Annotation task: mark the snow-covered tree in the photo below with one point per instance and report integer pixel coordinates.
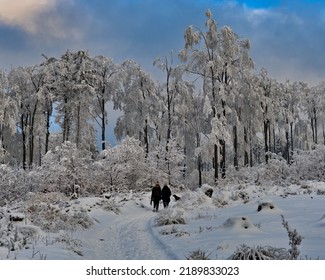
(74, 97)
(174, 95)
(137, 99)
(24, 90)
(65, 169)
(8, 115)
(313, 104)
(104, 78)
(125, 165)
(221, 59)
(265, 89)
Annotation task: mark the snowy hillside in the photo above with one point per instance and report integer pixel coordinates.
(123, 225)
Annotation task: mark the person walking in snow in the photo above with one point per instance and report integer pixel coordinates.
(165, 195)
(155, 197)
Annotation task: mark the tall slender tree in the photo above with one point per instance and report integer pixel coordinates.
(74, 99)
(220, 59)
(104, 78)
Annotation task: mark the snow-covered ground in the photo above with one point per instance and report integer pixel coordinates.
(125, 227)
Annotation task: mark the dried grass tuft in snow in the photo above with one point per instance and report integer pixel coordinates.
(198, 255)
(245, 252)
(169, 217)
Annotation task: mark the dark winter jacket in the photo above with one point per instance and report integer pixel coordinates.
(156, 193)
(166, 193)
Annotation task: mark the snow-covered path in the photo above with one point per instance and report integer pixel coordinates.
(130, 237)
(218, 232)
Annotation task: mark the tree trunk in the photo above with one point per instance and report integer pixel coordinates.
(287, 147)
(223, 147)
(103, 124)
(270, 138)
(235, 147)
(312, 128)
(266, 147)
(291, 138)
(78, 133)
(168, 136)
(23, 134)
(223, 158)
(246, 156)
(66, 121)
(216, 163)
(250, 145)
(47, 134)
(199, 167)
(31, 135)
(274, 140)
(39, 151)
(199, 159)
(316, 129)
(146, 137)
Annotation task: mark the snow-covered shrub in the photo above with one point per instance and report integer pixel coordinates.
(13, 184)
(63, 168)
(170, 217)
(166, 162)
(125, 165)
(16, 235)
(276, 171)
(240, 195)
(219, 202)
(111, 205)
(244, 252)
(305, 165)
(55, 198)
(51, 213)
(192, 200)
(310, 165)
(241, 175)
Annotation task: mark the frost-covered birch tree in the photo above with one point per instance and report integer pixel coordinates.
(264, 88)
(8, 116)
(313, 101)
(289, 109)
(137, 99)
(173, 95)
(220, 58)
(104, 78)
(74, 99)
(25, 89)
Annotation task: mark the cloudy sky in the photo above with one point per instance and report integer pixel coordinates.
(287, 36)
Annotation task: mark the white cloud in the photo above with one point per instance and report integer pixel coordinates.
(24, 13)
(255, 16)
(38, 17)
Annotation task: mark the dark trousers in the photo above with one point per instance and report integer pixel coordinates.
(166, 202)
(156, 204)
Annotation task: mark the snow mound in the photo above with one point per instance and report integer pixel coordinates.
(268, 207)
(239, 223)
(193, 200)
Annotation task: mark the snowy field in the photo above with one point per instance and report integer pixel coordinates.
(123, 226)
